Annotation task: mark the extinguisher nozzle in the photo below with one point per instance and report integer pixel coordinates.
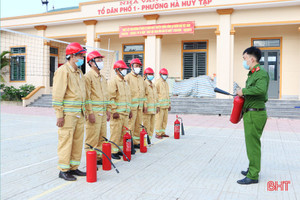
(117, 171)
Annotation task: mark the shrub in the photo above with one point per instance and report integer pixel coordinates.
(13, 94)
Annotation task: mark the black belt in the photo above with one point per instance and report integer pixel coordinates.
(255, 109)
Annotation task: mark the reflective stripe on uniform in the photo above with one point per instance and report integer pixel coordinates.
(73, 162)
(57, 103)
(136, 138)
(99, 109)
(158, 131)
(76, 103)
(64, 166)
(72, 109)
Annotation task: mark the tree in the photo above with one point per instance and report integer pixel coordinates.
(4, 62)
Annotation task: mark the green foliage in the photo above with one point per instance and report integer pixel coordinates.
(14, 94)
(4, 62)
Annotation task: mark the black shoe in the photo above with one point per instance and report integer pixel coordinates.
(67, 176)
(246, 181)
(137, 146)
(115, 156)
(120, 154)
(133, 152)
(99, 162)
(77, 172)
(245, 172)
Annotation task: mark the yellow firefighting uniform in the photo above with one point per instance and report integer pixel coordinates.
(119, 97)
(96, 103)
(138, 100)
(161, 118)
(149, 117)
(69, 103)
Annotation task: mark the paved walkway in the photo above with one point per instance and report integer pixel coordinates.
(203, 164)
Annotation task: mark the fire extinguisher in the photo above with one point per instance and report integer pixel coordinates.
(236, 114)
(93, 148)
(132, 146)
(148, 138)
(143, 141)
(182, 128)
(106, 148)
(116, 146)
(91, 166)
(176, 128)
(127, 146)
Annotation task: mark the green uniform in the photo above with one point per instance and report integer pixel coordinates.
(256, 95)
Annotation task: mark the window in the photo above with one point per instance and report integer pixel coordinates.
(194, 59)
(267, 43)
(17, 64)
(54, 50)
(132, 51)
(133, 48)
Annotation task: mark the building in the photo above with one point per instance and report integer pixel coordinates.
(210, 38)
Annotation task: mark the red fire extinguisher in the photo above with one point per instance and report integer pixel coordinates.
(127, 146)
(236, 114)
(106, 148)
(143, 141)
(91, 166)
(176, 128)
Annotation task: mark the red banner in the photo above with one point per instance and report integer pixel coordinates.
(157, 29)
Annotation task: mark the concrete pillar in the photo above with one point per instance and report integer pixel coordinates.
(232, 33)
(97, 42)
(158, 55)
(299, 56)
(45, 45)
(151, 46)
(224, 69)
(90, 37)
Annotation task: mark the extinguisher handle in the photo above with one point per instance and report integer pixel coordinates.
(117, 147)
(104, 155)
(142, 126)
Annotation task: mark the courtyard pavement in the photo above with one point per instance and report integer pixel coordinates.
(204, 164)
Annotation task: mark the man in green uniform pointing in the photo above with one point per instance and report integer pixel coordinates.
(255, 115)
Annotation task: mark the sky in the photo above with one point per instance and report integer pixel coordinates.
(11, 8)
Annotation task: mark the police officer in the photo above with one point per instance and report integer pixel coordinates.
(255, 115)
(68, 101)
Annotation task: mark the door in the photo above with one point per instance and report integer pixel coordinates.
(270, 61)
(52, 69)
(194, 64)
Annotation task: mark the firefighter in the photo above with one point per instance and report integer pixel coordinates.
(68, 101)
(163, 106)
(119, 94)
(151, 96)
(138, 101)
(255, 114)
(96, 103)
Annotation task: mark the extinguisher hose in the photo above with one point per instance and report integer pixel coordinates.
(182, 129)
(91, 147)
(116, 146)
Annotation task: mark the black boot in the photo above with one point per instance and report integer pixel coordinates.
(67, 176)
(115, 156)
(99, 162)
(120, 154)
(77, 172)
(137, 146)
(245, 172)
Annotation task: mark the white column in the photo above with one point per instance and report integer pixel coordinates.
(90, 37)
(224, 69)
(46, 58)
(299, 57)
(232, 33)
(158, 55)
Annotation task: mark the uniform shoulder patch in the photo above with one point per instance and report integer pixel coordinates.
(257, 69)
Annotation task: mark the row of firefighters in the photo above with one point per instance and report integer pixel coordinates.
(127, 100)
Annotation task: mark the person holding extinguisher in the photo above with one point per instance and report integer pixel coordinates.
(120, 99)
(151, 96)
(255, 115)
(163, 105)
(96, 103)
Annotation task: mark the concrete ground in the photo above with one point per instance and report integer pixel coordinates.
(203, 164)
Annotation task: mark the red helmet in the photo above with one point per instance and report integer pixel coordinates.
(163, 71)
(120, 64)
(93, 54)
(135, 61)
(74, 48)
(148, 71)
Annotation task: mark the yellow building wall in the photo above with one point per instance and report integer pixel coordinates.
(290, 70)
